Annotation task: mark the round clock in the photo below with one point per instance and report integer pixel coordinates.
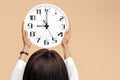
(46, 25)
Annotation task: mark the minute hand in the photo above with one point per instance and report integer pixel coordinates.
(50, 34)
(48, 29)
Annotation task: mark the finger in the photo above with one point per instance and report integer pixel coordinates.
(22, 26)
(26, 33)
(22, 30)
(69, 30)
(26, 36)
(69, 25)
(66, 32)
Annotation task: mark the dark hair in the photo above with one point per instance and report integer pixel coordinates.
(45, 64)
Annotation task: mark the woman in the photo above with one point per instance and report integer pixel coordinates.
(45, 64)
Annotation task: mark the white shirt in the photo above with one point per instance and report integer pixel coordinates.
(18, 70)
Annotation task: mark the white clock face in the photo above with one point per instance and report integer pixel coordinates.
(46, 25)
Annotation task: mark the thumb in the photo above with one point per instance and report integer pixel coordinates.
(26, 33)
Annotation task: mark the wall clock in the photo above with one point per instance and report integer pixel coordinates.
(46, 25)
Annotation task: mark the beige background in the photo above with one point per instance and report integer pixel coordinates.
(95, 39)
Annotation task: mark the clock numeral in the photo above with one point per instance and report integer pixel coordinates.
(30, 25)
(32, 34)
(47, 9)
(38, 39)
(63, 26)
(61, 18)
(46, 42)
(32, 17)
(54, 40)
(60, 34)
(38, 11)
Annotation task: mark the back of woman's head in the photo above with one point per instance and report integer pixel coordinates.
(45, 65)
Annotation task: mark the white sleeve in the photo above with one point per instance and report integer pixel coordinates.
(17, 73)
(71, 68)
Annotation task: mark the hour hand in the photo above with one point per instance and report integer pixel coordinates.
(40, 25)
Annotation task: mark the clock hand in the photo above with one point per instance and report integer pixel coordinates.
(44, 21)
(40, 25)
(46, 25)
(48, 29)
(50, 34)
(46, 10)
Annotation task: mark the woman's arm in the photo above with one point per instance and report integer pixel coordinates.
(65, 43)
(26, 43)
(18, 70)
(70, 65)
(71, 68)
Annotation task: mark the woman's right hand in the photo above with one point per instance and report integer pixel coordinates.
(66, 38)
(65, 42)
(26, 41)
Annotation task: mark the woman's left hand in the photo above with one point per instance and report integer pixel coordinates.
(26, 41)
